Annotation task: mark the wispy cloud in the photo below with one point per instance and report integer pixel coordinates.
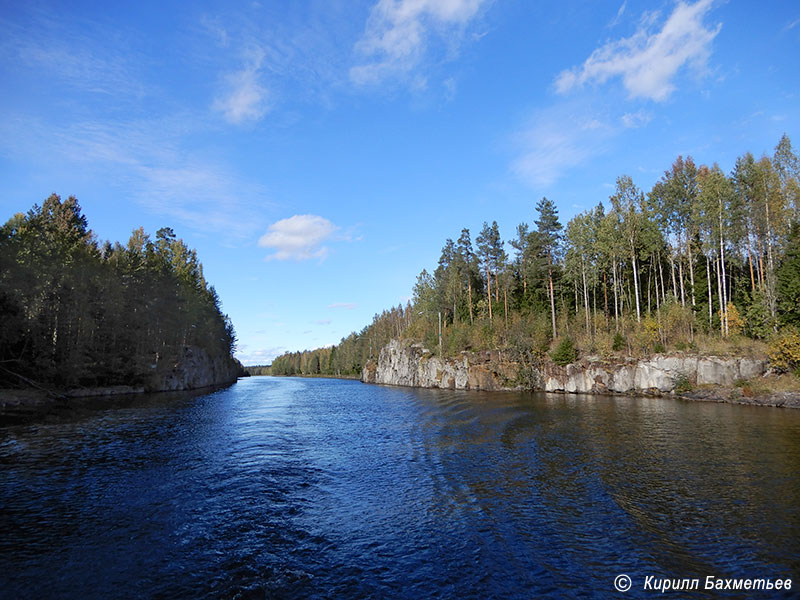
(648, 61)
(323, 322)
(618, 17)
(149, 162)
(260, 356)
(344, 305)
(245, 98)
(398, 32)
(91, 59)
(557, 139)
(300, 237)
(637, 119)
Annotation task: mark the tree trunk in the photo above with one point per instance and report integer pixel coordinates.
(616, 294)
(724, 313)
(585, 298)
(691, 272)
(489, 289)
(552, 302)
(710, 299)
(469, 298)
(636, 285)
(672, 273)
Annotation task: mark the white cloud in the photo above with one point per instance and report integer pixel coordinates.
(261, 356)
(619, 14)
(648, 61)
(635, 120)
(397, 34)
(148, 161)
(245, 98)
(300, 237)
(558, 139)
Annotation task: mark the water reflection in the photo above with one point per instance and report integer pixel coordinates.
(324, 488)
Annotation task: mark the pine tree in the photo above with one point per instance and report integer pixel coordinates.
(549, 238)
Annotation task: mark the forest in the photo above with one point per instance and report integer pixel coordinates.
(75, 312)
(704, 262)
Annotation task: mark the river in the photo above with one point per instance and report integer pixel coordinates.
(319, 488)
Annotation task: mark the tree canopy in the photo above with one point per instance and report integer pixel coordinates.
(702, 257)
(77, 312)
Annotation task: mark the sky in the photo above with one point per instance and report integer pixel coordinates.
(317, 154)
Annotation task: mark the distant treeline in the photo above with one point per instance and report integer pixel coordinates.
(77, 312)
(346, 358)
(704, 261)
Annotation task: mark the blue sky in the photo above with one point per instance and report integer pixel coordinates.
(317, 154)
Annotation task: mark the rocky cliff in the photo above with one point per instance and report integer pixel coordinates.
(406, 364)
(192, 370)
(412, 365)
(659, 374)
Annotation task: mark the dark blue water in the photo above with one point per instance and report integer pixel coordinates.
(297, 488)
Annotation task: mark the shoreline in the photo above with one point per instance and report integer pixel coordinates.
(347, 377)
(718, 395)
(734, 395)
(18, 406)
(693, 377)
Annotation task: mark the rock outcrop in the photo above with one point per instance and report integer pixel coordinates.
(194, 369)
(659, 374)
(412, 365)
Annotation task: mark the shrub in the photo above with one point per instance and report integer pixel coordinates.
(619, 342)
(735, 320)
(565, 353)
(604, 345)
(784, 350)
(659, 348)
(682, 384)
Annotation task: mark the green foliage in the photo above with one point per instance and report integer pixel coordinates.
(682, 384)
(78, 313)
(788, 275)
(758, 323)
(564, 353)
(706, 260)
(619, 342)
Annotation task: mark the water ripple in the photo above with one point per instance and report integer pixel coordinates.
(290, 488)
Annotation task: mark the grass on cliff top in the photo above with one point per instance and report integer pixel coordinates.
(770, 384)
(530, 336)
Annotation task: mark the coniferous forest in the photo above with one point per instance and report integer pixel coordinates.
(703, 262)
(75, 312)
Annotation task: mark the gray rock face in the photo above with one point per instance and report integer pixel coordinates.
(194, 369)
(659, 374)
(412, 365)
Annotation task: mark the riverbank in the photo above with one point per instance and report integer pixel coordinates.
(740, 380)
(24, 406)
(193, 370)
